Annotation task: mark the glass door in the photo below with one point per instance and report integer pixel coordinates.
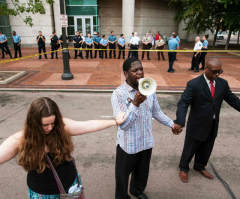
(83, 24)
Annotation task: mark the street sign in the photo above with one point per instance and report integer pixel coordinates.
(64, 21)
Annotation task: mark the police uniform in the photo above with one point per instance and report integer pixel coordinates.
(134, 45)
(112, 45)
(121, 47)
(4, 46)
(54, 45)
(96, 41)
(196, 56)
(41, 46)
(89, 45)
(78, 44)
(17, 45)
(172, 45)
(203, 54)
(159, 46)
(103, 43)
(61, 43)
(147, 45)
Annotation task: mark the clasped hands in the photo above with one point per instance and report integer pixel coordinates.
(176, 129)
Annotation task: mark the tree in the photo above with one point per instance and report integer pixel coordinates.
(200, 16)
(28, 8)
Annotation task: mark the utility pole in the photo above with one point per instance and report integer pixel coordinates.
(67, 75)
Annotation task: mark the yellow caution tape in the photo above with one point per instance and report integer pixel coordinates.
(139, 50)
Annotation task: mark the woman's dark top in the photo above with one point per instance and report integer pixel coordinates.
(44, 183)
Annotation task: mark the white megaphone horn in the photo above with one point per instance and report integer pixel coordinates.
(147, 86)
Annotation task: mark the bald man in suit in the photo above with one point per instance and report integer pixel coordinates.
(204, 94)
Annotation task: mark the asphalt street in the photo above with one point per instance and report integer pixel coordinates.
(95, 152)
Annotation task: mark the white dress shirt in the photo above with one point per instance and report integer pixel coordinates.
(134, 40)
(198, 46)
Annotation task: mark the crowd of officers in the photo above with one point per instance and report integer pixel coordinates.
(106, 46)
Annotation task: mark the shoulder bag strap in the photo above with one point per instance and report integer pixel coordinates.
(78, 180)
(57, 179)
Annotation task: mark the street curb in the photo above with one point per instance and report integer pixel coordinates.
(83, 90)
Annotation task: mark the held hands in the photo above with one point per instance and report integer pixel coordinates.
(138, 99)
(176, 129)
(120, 118)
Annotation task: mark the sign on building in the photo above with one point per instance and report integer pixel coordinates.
(64, 21)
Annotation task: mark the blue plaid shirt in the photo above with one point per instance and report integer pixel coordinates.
(135, 134)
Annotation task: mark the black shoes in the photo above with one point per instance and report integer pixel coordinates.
(141, 196)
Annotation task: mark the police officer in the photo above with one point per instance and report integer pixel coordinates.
(96, 41)
(54, 44)
(147, 45)
(134, 45)
(4, 46)
(196, 54)
(172, 45)
(16, 44)
(203, 54)
(61, 43)
(121, 46)
(41, 44)
(112, 39)
(89, 45)
(104, 44)
(77, 42)
(130, 52)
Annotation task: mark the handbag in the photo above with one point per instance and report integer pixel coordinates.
(79, 194)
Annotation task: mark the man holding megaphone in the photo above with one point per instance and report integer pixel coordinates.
(137, 98)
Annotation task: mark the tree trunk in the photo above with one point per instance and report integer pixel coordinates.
(228, 39)
(238, 37)
(215, 36)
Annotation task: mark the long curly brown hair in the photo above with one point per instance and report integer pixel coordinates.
(32, 146)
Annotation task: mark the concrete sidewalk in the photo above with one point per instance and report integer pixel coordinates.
(107, 73)
(95, 153)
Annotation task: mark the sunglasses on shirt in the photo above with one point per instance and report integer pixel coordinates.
(216, 71)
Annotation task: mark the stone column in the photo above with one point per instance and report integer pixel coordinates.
(128, 8)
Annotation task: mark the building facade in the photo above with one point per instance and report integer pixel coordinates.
(121, 16)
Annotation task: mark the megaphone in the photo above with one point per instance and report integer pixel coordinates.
(147, 86)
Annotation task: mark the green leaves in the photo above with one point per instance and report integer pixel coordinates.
(30, 7)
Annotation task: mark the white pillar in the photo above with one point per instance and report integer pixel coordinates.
(128, 8)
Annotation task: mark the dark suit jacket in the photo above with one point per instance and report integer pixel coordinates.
(203, 107)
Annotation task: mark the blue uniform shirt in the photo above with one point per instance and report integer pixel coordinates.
(89, 40)
(205, 43)
(112, 38)
(97, 39)
(178, 39)
(104, 41)
(2, 38)
(173, 44)
(121, 41)
(16, 39)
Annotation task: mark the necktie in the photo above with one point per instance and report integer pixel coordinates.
(212, 88)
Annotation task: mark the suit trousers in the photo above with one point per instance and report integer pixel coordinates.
(135, 164)
(201, 149)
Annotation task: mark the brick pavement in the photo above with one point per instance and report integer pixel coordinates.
(107, 73)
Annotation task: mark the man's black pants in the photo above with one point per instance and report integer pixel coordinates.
(134, 51)
(201, 149)
(195, 61)
(171, 59)
(97, 46)
(135, 164)
(40, 49)
(5, 49)
(17, 49)
(202, 59)
(146, 47)
(121, 51)
(112, 47)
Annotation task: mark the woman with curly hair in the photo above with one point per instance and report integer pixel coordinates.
(47, 134)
